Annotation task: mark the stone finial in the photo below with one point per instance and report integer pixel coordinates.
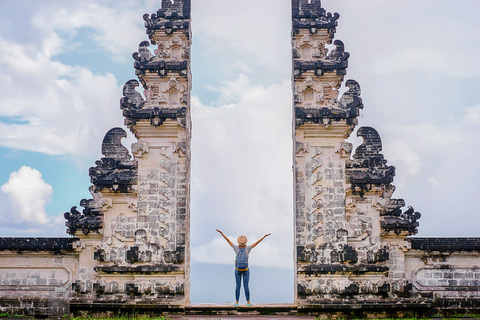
(173, 16)
(338, 54)
(371, 146)
(176, 7)
(368, 167)
(351, 99)
(115, 171)
(309, 15)
(132, 99)
(112, 145)
(143, 53)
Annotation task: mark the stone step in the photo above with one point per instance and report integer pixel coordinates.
(279, 309)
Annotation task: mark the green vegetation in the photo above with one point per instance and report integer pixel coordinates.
(8, 315)
(133, 317)
(454, 317)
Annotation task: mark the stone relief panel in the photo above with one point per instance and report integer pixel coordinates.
(175, 48)
(447, 277)
(306, 47)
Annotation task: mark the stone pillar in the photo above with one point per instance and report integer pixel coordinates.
(134, 234)
(322, 123)
(161, 122)
(350, 234)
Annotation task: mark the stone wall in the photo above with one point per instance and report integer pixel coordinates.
(446, 267)
(36, 275)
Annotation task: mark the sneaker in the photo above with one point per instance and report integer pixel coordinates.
(236, 304)
(249, 305)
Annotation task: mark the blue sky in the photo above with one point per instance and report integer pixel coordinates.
(63, 64)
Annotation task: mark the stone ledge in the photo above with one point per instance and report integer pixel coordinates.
(37, 244)
(144, 269)
(445, 244)
(342, 269)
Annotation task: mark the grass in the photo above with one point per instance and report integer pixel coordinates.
(125, 318)
(8, 315)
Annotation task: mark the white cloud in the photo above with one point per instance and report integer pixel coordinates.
(117, 26)
(242, 167)
(411, 142)
(256, 29)
(65, 110)
(58, 108)
(472, 115)
(425, 59)
(400, 151)
(28, 194)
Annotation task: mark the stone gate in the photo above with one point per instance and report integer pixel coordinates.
(129, 245)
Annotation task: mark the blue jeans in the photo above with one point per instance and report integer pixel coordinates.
(238, 277)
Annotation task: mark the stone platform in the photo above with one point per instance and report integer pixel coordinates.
(205, 309)
(260, 311)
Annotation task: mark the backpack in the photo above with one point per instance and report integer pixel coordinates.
(241, 262)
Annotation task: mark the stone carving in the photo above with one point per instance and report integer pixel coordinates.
(173, 16)
(351, 99)
(309, 15)
(143, 53)
(112, 146)
(368, 171)
(132, 99)
(307, 48)
(401, 221)
(175, 48)
(115, 171)
(338, 55)
(368, 167)
(171, 92)
(134, 108)
(316, 102)
(81, 221)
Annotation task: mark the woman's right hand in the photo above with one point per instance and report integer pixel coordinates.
(219, 231)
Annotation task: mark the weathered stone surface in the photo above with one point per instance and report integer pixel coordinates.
(37, 244)
(140, 251)
(173, 16)
(350, 234)
(445, 244)
(309, 14)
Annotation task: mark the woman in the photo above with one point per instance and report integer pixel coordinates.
(241, 264)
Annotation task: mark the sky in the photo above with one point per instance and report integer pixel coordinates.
(63, 65)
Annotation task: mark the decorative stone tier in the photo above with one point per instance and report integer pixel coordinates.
(155, 116)
(335, 62)
(311, 16)
(173, 16)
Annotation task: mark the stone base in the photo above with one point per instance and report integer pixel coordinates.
(106, 310)
(45, 308)
(281, 309)
(35, 307)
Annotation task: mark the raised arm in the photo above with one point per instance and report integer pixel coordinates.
(228, 240)
(253, 245)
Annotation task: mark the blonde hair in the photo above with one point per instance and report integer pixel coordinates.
(242, 240)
